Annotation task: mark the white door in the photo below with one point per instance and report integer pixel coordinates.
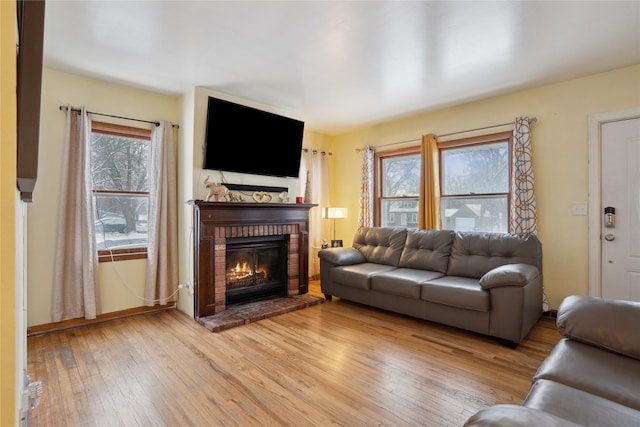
(620, 191)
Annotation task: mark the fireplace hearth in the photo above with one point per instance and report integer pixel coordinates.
(219, 226)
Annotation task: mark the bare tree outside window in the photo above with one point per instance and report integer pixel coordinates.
(401, 176)
(480, 169)
(475, 184)
(121, 190)
(475, 187)
(400, 189)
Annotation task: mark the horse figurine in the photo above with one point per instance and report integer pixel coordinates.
(217, 191)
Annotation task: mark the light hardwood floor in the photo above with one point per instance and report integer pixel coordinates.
(333, 364)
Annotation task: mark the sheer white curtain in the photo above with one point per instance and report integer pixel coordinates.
(162, 252)
(365, 216)
(75, 277)
(317, 163)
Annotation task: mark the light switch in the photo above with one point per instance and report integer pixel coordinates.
(579, 209)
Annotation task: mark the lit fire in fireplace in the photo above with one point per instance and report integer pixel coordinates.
(243, 275)
(240, 271)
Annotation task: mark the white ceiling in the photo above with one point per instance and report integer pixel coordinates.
(340, 64)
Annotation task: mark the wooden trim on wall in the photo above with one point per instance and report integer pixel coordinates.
(29, 81)
(76, 323)
(120, 130)
(480, 139)
(121, 254)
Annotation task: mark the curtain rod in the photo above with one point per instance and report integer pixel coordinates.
(314, 151)
(65, 108)
(533, 120)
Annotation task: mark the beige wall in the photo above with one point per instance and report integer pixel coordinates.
(191, 185)
(10, 367)
(121, 283)
(185, 193)
(560, 166)
(560, 149)
(199, 175)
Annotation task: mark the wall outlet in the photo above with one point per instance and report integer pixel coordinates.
(187, 286)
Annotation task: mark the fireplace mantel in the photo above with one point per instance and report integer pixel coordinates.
(214, 222)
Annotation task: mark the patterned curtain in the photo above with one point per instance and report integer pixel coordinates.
(429, 201)
(523, 200)
(365, 217)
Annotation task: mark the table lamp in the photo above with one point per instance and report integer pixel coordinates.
(335, 213)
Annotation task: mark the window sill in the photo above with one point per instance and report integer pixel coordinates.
(122, 254)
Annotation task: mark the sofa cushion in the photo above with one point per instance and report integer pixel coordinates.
(609, 375)
(427, 250)
(456, 291)
(510, 415)
(359, 275)
(341, 256)
(380, 245)
(579, 406)
(509, 275)
(473, 254)
(605, 323)
(404, 282)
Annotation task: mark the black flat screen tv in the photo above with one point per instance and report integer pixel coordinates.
(248, 140)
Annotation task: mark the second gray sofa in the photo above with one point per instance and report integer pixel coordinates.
(591, 377)
(490, 283)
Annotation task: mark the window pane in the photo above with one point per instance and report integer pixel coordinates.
(401, 176)
(399, 213)
(478, 169)
(475, 214)
(118, 163)
(121, 221)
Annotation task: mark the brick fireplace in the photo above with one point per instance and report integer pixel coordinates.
(216, 222)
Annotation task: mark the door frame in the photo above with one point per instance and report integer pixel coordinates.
(596, 121)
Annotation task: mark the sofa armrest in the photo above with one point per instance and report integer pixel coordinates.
(342, 256)
(509, 275)
(515, 416)
(605, 323)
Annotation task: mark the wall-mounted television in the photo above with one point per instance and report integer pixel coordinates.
(243, 139)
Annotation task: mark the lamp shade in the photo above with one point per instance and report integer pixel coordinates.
(334, 213)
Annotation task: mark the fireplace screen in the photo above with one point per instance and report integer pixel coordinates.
(255, 268)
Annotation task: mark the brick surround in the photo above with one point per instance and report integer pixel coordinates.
(215, 222)
(222, 233)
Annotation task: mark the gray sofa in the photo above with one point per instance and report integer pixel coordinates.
(591, 377)
(490, 283)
